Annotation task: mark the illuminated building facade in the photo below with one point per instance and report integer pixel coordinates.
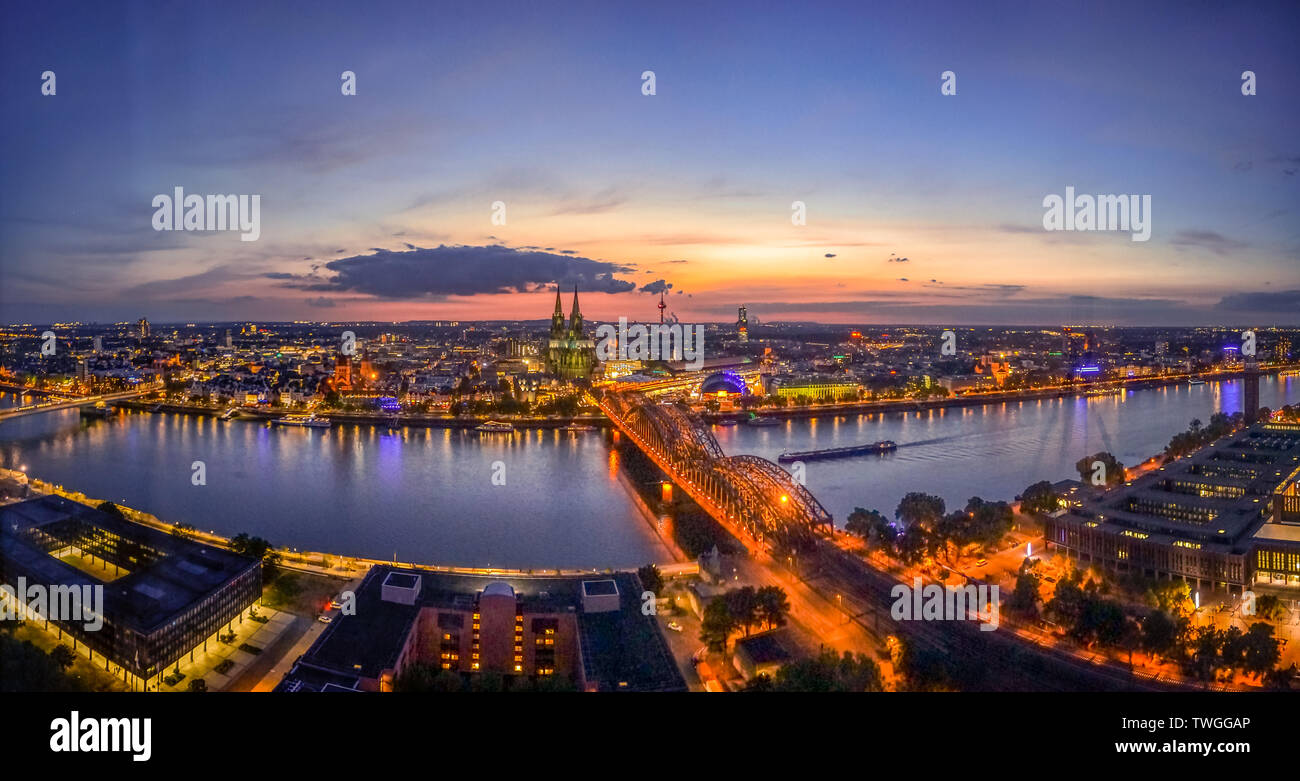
(1227, 516)
(163, 596)
(590, 631)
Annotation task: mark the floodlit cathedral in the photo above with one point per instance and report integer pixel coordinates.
(569, 354)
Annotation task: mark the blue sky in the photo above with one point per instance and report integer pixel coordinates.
(378, 205)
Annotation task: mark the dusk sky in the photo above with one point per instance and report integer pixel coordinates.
(921, 208)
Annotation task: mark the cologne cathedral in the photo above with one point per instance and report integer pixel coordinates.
(570, 355)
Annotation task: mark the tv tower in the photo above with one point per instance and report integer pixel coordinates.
(662, 307)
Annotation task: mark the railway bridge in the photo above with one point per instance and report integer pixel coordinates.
(745, 493)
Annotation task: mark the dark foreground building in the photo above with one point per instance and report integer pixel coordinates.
(1228, 516)
(162, 595)
(589, 630)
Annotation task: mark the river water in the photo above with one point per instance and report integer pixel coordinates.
(560, 499)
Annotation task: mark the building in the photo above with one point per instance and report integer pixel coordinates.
(142, 328)
(1250, 391)
(742, 326)
(570, 354)
(814, 388)
(342, 372)
(763, 653)
(1228, 516)
(163, 595)
(588, 629)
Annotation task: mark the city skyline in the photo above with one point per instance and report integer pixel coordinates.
(921, 208)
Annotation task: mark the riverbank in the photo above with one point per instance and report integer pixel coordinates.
(979, 399)
(414, 420)
(332, 564)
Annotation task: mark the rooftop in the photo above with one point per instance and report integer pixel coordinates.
(167, 573)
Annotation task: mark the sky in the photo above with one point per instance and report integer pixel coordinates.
(920, 207)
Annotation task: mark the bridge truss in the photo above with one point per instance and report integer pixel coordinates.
(749, 491)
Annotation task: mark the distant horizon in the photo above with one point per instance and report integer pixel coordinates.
(542, 322)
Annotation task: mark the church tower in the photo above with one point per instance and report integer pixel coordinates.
(570, 354)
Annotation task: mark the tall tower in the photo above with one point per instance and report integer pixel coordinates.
(368, 373)
(662, 306)
(342, 372)
(742, 325)
(1250, 399)
(557, 317)
(575, 318)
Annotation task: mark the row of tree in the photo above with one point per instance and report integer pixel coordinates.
(1199, 435)
(1081, 607)
(826, 672)
(922, 527)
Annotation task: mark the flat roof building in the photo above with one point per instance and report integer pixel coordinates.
(1227, 516)
(162, 595)
(589, 630)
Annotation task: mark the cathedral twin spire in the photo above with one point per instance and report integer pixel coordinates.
(574, 329)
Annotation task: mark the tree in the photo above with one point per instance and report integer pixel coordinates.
(919, 508)
(872, 526)
(1282, 677)
(773, 606)
(111, 509)
(651, 579)
(256, 548)
(828, 672)
(1038, 498)
(1171, 596)
(742, 604)
(1159, 633)
(1260, 651)
(63, 656)
(716, 625)
(1269, 607)
(1024, 599)
(1113, 472)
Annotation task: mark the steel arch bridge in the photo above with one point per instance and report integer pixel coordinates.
(746, 491)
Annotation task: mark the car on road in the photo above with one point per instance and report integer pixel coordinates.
(324, 619)
(1049, 579)
(981, 562)
(673, 625)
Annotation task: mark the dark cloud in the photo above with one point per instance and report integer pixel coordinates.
(322, 302)
(278, 275)
(460, 270)
(1278, 301)
(895, 259)
(658, 286)
(830, 254)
